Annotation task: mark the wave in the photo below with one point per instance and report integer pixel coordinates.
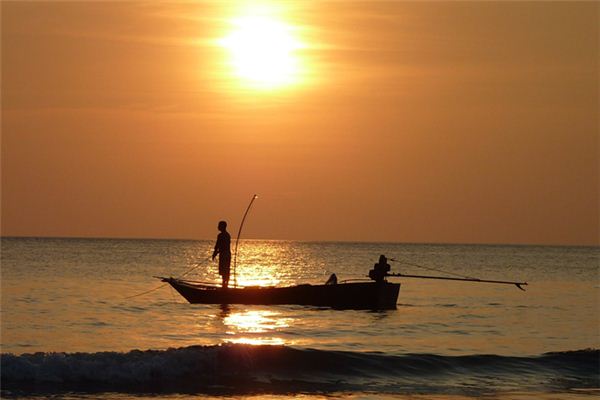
(239, 368)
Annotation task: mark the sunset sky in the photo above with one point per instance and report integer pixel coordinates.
(470, 122)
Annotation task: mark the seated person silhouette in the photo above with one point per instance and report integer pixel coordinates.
(380, 270)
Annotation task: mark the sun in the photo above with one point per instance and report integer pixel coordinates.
(263, 52)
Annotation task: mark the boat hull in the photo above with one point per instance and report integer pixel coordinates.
(365, 295)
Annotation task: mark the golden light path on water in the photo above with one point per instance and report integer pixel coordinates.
(53, 307)
(255, 327)
(254, 269)
(263, 48)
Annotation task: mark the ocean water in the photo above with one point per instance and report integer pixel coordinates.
(70, 327)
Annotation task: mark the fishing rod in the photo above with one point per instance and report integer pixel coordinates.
(238, 239)
(517, 284)
(459, 277)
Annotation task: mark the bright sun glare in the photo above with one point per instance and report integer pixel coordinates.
(263, 51)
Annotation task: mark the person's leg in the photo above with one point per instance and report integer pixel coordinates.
(224, 269)
(226, 279)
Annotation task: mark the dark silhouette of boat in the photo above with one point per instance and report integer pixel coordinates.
(377, 294)
(352, 295)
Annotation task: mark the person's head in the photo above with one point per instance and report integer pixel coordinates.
(222, 226)
(382, 259)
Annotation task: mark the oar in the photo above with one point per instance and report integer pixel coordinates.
(517, 284)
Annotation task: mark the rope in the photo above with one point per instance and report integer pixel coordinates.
(165, 284)
(191, 269)
(431, 269)
(146, 292)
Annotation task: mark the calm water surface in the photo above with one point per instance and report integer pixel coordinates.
(66, 296)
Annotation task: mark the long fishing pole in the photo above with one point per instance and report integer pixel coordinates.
(517, 284)
(238, 239)
(430, 268)
(460, 277)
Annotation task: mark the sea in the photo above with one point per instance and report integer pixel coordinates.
(88, 319)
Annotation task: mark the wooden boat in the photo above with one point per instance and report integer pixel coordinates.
(362, 295)
(378, 294)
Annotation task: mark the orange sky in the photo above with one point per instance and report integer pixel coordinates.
(414, 122)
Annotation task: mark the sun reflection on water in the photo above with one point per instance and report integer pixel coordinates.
(256, 327)
(275, 263)
(261, 263)
(249, 279)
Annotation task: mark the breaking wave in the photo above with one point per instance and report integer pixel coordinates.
(238, 368)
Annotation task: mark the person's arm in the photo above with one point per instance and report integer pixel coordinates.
(217, 247)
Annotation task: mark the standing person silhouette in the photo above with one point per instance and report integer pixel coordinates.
(222, 248)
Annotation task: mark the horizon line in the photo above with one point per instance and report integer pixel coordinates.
(298, 240)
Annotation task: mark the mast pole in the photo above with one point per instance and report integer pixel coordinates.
(238, 239)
